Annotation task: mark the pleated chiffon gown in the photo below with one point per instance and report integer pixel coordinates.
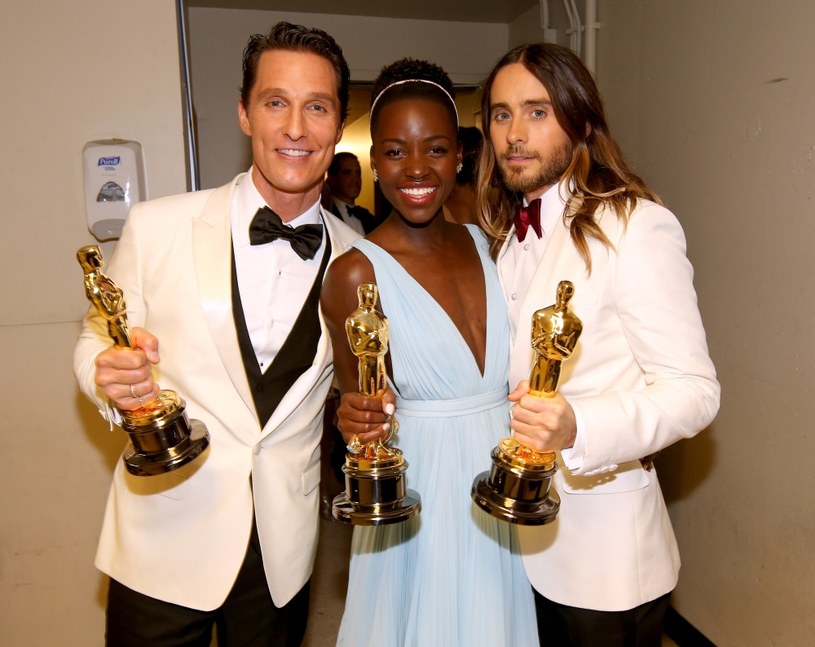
(452, 575)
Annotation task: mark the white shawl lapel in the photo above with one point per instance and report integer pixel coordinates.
(212, 253)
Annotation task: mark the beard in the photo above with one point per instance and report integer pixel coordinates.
(546, 174)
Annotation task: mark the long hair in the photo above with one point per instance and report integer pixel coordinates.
(296, 38)
(598, 175)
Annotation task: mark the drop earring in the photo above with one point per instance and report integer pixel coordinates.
(376, 175)
(459, 167)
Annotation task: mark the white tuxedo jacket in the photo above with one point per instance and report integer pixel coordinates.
(641, 379)
(181, 537)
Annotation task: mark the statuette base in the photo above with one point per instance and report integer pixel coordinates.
(516, 490)
(162, 437)
(375, 495)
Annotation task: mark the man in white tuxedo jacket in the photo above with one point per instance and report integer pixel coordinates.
(640, 377)
(230, 538)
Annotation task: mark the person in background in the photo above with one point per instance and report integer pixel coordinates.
(640, 378)
(228, 280)
(451, 575)
(460, 207)
(344, 179)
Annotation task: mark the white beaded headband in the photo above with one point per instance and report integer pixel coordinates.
(395, 83)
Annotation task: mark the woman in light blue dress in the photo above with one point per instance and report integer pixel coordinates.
(451, 575)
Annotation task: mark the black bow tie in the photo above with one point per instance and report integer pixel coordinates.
(266, 226)
(357, 211)
(526, 217)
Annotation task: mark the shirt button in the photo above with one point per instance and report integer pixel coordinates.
(526, 247)
(514, 296)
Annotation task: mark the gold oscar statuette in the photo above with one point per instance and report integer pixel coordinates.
(162, 437)
(517, 487)
(375, 489)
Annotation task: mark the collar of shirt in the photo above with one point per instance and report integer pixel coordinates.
(345, 215)
(273, 281)
(247, 200)
(518, 265)
(553, 202)
(342, 206)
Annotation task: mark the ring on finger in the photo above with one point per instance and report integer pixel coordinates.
(133, 392)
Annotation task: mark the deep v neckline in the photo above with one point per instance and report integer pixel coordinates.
(482, 372)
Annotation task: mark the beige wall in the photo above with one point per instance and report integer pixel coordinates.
(72, 72)
(715, 105)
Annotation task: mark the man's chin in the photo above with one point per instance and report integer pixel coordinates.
(519, 182)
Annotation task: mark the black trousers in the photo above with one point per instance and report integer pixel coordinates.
(247, 618)
(563, 626)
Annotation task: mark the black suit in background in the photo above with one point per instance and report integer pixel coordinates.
(368, 220)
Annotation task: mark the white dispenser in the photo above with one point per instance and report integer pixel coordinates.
(114, 181)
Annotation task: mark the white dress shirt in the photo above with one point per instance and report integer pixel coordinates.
(273, 280)
(517, 270)
(523, 258)
(352, 221)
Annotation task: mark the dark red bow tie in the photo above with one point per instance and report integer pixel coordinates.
(526, 217)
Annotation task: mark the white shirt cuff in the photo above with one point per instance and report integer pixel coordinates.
(574, 456)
